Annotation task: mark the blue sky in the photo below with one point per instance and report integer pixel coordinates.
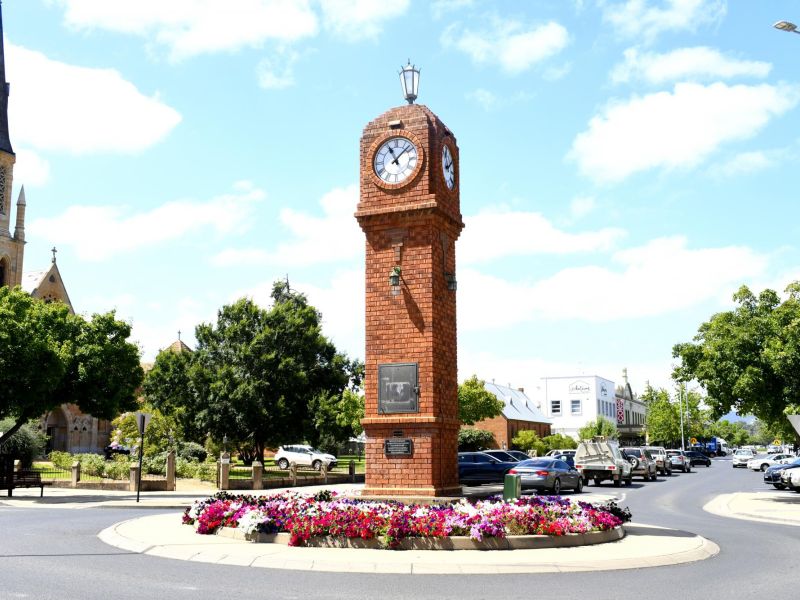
(625, 165)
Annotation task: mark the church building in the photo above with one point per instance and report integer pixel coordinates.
(68, 429)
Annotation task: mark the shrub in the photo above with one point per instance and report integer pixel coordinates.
(192, 451)
(62, 460)
(155, 464)
(528, 441)
(26, 444)
(471, 440)
(91, 464)
(559, 441)
(117, 469)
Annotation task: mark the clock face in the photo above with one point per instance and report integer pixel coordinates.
(395, 160)
(448, 168)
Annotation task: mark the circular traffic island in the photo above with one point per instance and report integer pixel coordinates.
(326, 520)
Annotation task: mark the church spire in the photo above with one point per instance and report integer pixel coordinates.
(5, 141)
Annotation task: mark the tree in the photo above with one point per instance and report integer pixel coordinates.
(748, 358)
(732, 432)
(559, 441)
(50, 357)
(258, 376)
(26, 444)
(476, 403)
(337, 416)
(472, 440)
(601, 426)
(528, 441)
(168, 388)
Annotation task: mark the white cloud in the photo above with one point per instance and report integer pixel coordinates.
(743, 163)
(658, 278)
(356, 20)
(333, 237)
(485, 98)
(98, 233)
(695, 63)
(56, 106)
(509, 44)
(276, 72)
(191, 27)
(675, 129)
(341, 304)
(495, 234)
(580, 207)
(646, 19)
(31, 169)
(445, 8)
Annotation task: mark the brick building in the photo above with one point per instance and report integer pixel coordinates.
(519, 414)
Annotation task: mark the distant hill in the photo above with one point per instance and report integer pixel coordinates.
(733, 417)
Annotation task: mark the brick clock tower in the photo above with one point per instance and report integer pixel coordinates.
(409, 211)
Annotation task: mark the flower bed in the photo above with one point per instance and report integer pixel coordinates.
(305, 517)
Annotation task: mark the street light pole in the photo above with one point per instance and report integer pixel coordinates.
(786, 26)
(680, 409)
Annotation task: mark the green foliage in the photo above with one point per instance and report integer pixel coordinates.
(337, 416)
(558, 441)
(192, 451)
(748, 359)
(49, 357)
(62, 460)
(26, 444)
(734, 433)
(168, 388)
(159, 436)
(472, 440)
(475, 403)
(528, 441)
(600, 426)
(257, 375)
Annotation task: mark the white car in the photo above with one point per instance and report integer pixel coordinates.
(761, 463)
(741, 457)
(303, 455)
(791, 479)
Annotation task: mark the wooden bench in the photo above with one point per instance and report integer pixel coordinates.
(26, 478)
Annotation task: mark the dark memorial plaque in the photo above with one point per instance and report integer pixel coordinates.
(398, 447)
(398, 388)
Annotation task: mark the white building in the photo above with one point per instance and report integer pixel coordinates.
(571, 402)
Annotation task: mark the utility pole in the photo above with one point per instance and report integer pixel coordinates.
(680, 409)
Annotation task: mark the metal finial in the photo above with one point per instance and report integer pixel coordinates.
(53, 250)
(179, 335)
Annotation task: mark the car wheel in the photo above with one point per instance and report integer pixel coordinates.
(764, 467)
(317, 465)
(629, 481)
(556, 487)
(708, 464)
(617, 483)
(596, 481)
(283, 464)
(579, 486)
(684, 469)
(779, 486)
(654, 476)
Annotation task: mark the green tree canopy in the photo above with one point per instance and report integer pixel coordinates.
(527, 441)
(735, 433)
(748, 359)
(472, 440)
(476, 403)
(50, 357)
(559, 441)
(259, 377)
(600, 426)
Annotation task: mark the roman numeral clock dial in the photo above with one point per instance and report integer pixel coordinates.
(395, 160)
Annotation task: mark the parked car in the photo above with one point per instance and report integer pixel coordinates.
(697, 458)
(549, 474)
(503, 455)
(741, 456)
(679, 461)
(790, 478)
(479, 467)
(772, 476)
(763, 462)
(518, 454)
(642, 463)
(303, 455)
(600, 459)
(565, 451)
(567, 458)
(659, 453)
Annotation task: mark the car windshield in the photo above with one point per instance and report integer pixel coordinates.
(743, 453)
(536, 462)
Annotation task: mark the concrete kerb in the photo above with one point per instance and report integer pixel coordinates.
(777, 507)
(644, 546)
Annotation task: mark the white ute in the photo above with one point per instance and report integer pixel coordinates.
(600, 459)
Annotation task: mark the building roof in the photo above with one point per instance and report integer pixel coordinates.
(518, 406)
(32, 280)
(178, 346)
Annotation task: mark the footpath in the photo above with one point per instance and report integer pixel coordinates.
(774, 506)
(159, 532)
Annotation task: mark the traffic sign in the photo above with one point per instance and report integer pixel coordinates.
(693, 441)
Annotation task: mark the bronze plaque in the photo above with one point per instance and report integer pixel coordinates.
(398, 388)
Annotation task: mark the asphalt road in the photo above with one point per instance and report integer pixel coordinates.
(54, 554)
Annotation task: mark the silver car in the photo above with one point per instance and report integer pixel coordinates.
(548, 474)
(679, 461)
(741, 458)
